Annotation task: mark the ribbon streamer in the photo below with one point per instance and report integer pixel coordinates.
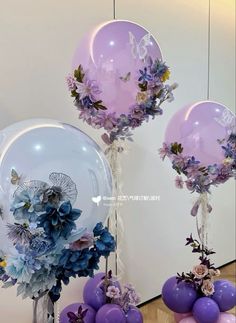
(115, 222)
(202, 229)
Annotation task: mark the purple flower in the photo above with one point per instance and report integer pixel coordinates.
(108, 121)
(71, 82)
(164, 151)
(89, 88)
(189, 184)
(144, 75)
(113, 292)
(179, 183)
(79, 317)
(179, 161)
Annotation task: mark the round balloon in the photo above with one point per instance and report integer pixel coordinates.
(200, 128)
(205, 310)
(134, 315)
(179, 297)
(79, 312)
(113, 53)
(49, 151)
(94, 291)
(110, 313)
(226, 318)
(179, 316)
(189, 319)
(224, 295)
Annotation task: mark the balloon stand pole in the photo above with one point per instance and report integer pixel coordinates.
(115, 223)
(44, 310)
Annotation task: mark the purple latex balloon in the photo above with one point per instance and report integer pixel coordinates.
(226, 318)
(110, 313)
(111, 52)
(134, 315)
(189, 319)
(224, 295)
(180, 316)
(179, 297)
(90, 315)
(93, 292)
(198, 127)
(205, 310)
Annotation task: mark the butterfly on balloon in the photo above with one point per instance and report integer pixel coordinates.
(139, 49)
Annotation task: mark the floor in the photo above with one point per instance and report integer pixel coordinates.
(157, 312)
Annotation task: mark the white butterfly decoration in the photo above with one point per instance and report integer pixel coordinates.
(139, 50)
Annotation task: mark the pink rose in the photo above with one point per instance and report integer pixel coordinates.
(214, 272)
(200, 271)
(84, 242)
(207, 287)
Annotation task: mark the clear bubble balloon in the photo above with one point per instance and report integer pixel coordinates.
(34, 149)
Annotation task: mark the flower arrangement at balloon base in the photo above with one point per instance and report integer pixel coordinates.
(152, 92)
(47, 248)
(104, 301)
(196, 296)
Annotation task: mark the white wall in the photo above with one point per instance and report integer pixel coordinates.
(37, 40)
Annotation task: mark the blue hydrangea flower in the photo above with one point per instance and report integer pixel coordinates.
(25, 206)
(59, 222)
(105, 242)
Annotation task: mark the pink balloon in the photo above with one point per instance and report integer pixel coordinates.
(179, 316)
(189, 319)
(227, 318)
(112, 54)
(198, 127)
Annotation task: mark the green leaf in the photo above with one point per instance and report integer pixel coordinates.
(99, 106)
(74, 93)
(143, 86)
(79, 74)
(176, 148)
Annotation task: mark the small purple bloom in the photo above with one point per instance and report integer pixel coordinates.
(164, 151)
(179, 183)
(113, 292)
(71, 82)
(145, 77)
(89, 88)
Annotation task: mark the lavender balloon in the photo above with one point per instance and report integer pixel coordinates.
(198, 127)
(134, 315)
(110, 313)
(224, 295)
(205, 310)
(189, 319)
(226, 318)
(93, 292)
(113, 53)
(180, 316)
(179, 297)
(73, 308)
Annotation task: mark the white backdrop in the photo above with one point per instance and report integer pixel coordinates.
(37, 40)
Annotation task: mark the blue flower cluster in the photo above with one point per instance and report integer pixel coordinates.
(48, 246)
